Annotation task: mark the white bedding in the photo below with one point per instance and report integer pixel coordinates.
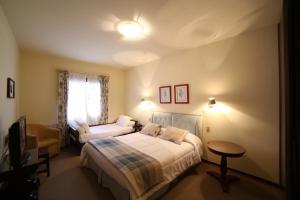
(173, 158)
(104, 131)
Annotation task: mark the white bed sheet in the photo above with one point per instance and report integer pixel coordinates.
(173, 158)
(105, 131)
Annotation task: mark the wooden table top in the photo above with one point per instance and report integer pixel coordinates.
(225, 148)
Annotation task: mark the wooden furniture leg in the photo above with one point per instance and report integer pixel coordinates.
(44, 159)
(223, 178)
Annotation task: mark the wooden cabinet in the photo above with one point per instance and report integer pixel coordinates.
(21, 183)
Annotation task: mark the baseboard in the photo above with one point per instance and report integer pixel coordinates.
(249, 175)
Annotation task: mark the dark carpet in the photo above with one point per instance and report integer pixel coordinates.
(69, 181)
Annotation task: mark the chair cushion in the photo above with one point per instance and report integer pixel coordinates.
(47, 142)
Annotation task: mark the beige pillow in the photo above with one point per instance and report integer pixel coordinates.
(151, 129)
(81, 130)
(173, 134)
(162, 130)
(86, 127)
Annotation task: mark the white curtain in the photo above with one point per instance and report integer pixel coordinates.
(84, 100)
(93, 102)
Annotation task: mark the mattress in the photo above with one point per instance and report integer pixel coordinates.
(173, 158)
(106, 130)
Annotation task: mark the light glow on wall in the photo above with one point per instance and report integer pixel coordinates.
(145, 105)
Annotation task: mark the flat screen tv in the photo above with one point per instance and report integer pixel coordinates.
(17, 143)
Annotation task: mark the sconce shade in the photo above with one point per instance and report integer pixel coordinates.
(145, 99)
(211, 102)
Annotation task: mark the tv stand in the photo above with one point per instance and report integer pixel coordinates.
(26, 158)
(20, 183)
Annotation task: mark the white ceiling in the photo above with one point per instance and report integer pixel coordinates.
(84, 29)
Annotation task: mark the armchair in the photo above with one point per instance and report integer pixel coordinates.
(46, 137)
(31, 142)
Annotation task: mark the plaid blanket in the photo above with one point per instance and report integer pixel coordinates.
(142, 171)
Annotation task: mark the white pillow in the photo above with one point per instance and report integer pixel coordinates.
(173, 134)
(123, 120)
(79, 121)
(73, 124)
(82, 124)
(131, 123)
(151, 129)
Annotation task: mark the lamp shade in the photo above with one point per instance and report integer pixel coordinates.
(130, 29)
(211, 102)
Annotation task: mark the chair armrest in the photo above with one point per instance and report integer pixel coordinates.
(54, 133)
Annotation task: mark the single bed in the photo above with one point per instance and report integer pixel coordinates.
(174, 159)
(99, 131)
(105, 131)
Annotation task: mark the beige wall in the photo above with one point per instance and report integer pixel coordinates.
(8, 68)
(39, 85)
(242, 74)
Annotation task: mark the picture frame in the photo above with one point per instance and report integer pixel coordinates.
(165, 95)
(10, 88)
(181, 94)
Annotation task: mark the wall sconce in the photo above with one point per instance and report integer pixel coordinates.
(211, 102)
(144, 99)
(145, 102)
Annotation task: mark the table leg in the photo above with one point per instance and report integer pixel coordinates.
(48, 166)
(223, 167)
(224, 179)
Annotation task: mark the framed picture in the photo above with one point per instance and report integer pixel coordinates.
(165, 95)
(181, 93)
(10, 88)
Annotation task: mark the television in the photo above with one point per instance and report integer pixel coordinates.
(17, 143)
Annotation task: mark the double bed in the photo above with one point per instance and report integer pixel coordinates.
(173, 159)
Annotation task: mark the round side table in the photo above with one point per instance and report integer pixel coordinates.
(225, 149)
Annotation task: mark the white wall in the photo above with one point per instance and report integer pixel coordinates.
(8, 68)
(242, 74)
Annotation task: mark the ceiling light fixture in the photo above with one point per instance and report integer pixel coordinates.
(130, 29)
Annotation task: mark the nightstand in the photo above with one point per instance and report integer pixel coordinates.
(137, 127)
(225, 149)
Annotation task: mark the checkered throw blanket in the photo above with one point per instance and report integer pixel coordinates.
(142, 171)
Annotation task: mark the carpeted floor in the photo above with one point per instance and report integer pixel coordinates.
(69, 181)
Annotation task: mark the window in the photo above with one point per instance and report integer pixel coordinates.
(84, 99)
